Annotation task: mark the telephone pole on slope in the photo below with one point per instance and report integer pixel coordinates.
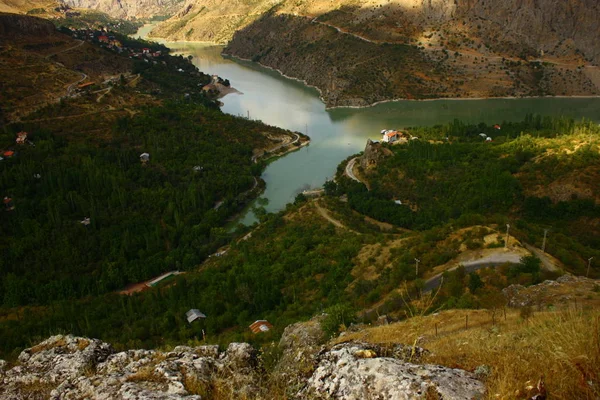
(544, 242)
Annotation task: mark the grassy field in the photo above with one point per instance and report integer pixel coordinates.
(562, 346)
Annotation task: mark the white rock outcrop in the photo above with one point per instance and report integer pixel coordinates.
(350, 371)
(73, 368)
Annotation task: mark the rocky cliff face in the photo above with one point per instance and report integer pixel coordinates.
(374, 153)
(211, 20)
(13, 25)
(358, 57)
(348, 71)
(129, 8)
(68, 367)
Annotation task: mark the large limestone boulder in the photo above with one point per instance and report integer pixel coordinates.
(353, 371)
(69, 367)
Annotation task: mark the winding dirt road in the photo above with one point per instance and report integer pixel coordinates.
(349, 171)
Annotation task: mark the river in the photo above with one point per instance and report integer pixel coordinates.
(338, 133)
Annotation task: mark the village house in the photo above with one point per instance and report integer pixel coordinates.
(261, 325)
(144, 158)
(8, 203)
(390, 136)
(21, 137)
(193, 315)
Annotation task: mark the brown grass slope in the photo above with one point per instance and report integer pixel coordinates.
(512, 354)
(38, 65)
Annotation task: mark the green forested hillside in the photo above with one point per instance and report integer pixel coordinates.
(452, 173)
(81, 163)
(145, 218)
(296, 263)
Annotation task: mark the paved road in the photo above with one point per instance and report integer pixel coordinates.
(473, 53)
(286, 144)
(547, 262)
(349, 170)
(493, 260)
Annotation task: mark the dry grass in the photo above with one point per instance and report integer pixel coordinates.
(36, 390)
(82, 344)
(563, 346)
(45, 346)
(147, 373)
(196, 386)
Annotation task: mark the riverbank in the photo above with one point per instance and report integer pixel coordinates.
(328, 107)
(231, 56)
(372, 104)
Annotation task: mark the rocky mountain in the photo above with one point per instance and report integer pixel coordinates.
(364, 53)
(359, 53)
(212, 20)
(129, 8)
(69, 367)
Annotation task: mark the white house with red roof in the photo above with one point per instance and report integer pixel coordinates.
(390, 136)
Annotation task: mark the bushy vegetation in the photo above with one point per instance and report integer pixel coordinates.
(452, 175)
(304, 271)
(169, 213)
(145, 218)
(96, 20)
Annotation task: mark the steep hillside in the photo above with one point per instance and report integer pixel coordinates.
(538, 172)
(103, 146)
(129, 9)
(23, 6)
(355, 52)
(211, 20)
(510, 26)
(39, 65)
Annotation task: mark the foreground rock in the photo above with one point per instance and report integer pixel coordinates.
(69, 367)
(355, 371)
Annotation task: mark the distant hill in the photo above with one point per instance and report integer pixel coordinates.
(361, 53)
(128, 9)
(23, 6)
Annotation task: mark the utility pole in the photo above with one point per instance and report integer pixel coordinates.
(248, 114)
(506, 241)
(589, 263)
(417, 267)
(544, 242)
